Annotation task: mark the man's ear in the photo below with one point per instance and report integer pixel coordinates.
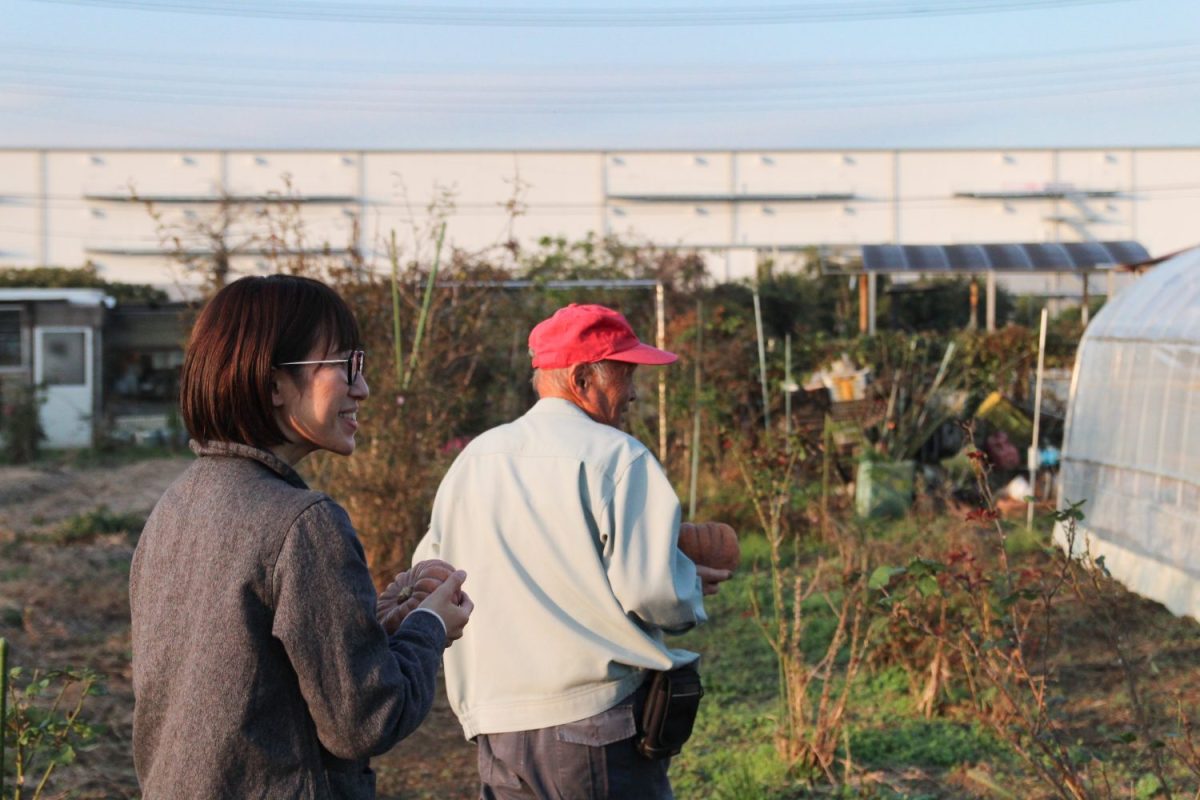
(580, 374)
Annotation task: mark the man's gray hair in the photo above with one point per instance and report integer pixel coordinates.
(560, 379)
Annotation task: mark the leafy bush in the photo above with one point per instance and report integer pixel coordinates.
(90, 524)
(938, 304)
(85, 277)
(20, 425)
(42, 726)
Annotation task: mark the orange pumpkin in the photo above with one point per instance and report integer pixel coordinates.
(408, 590)
(710, 544)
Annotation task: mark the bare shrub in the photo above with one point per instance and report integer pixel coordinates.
(997, 630)
(814, 689)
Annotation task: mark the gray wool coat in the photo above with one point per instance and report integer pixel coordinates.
(259, 670)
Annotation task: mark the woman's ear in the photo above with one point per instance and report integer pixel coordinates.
(276, 394)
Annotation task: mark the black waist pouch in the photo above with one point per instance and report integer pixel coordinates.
(672, 700)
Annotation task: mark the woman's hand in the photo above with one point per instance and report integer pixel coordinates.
(452, 604)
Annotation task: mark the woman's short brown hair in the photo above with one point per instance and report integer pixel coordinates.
(246, 328)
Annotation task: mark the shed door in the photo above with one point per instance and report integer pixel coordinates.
(63, 368)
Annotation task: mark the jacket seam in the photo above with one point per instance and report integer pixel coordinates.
(320, 499)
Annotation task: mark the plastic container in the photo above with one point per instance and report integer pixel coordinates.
(883, 488)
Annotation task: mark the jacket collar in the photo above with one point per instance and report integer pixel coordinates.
(557, 405)
(264, 457)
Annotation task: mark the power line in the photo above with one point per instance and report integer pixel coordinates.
(1091, 73)
(998, 88)
(583, 17)
(89, 57)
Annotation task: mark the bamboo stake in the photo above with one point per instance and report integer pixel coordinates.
(696, 413)
(762, 361)
(394, 255)
(3, 704)
(661, 342)
(826, 472)
(1037, 415)
(425, 303)
(787, 390)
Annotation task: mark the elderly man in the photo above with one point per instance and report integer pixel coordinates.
(568, 528)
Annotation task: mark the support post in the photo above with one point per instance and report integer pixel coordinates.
(871, 293)
(1084, 310)
(990, 312)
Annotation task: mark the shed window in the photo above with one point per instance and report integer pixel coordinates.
(65, 359)
(10, 337)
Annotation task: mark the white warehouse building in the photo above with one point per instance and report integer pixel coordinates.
(70, 207)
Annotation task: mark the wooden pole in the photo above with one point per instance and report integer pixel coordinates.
(863, 305)
(1037, 415)
(974, 323)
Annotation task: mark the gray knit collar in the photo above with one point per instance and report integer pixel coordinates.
(264, 457)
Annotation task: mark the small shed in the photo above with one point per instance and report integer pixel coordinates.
(52, 339)
(1132, 443)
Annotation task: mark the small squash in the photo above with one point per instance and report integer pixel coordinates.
(408, 590)
(710, 544)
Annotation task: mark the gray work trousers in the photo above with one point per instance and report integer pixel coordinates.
(592, 759)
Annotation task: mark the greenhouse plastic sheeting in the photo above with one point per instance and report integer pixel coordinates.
(1132, 448)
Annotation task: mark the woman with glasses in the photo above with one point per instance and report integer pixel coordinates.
(259, 669)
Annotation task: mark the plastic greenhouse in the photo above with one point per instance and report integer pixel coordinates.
(1132, 443)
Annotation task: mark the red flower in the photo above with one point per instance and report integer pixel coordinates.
(982, 515)
(956, 556)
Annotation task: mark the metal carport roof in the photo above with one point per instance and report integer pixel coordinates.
(1030, 257)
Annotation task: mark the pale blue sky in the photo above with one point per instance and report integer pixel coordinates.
(595, 74)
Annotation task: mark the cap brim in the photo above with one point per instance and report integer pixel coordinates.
(644, 354)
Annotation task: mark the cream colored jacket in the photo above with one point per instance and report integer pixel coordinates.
(567, 529)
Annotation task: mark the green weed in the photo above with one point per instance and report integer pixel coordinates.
(90, 524)
(927, 743)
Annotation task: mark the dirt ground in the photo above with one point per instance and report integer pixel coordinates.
(67, 605)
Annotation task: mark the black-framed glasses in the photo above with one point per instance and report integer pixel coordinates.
(353, 362)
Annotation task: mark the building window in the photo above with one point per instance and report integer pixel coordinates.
(64, 359)
(10, 338)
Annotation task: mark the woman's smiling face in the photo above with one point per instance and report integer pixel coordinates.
(315, 408)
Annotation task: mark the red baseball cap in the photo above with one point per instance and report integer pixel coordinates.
(584, 334)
